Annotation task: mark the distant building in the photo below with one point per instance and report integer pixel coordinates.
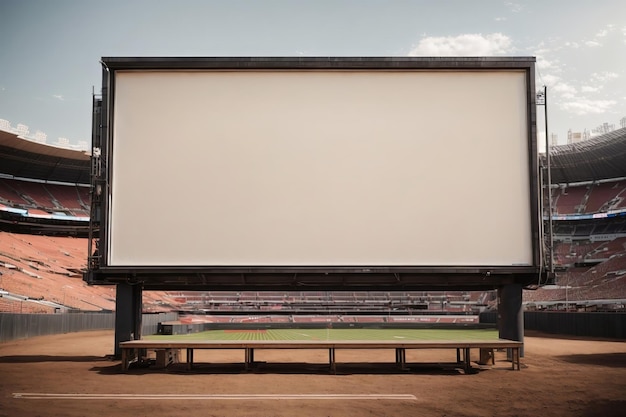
(40, 137)
(5, 125)
(22, 129)
(63, 142)
(554, 139)
(602, 129)
(575, 137)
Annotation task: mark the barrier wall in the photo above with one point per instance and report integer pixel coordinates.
(150, 322)
(588, 324)
(609, 325)
(22, 326)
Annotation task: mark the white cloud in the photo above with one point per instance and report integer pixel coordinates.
(584, 106)
(604, 76)
(546, 65)
(551, 79)
(566, 90)
(514, 7)
(602, 33)
(600, 36)
(500, 19)
(58, 97)
(589, 89)
(463, 45)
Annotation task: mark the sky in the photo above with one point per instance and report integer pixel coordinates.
(50, 50)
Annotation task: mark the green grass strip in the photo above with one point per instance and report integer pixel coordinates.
(336, 334)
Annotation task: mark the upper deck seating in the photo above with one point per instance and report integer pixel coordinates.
(602, 196)
(569, 200)
(10, 194)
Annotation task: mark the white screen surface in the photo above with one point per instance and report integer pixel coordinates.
(320, 168)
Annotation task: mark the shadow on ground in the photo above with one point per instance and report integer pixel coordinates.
(537, 333)
(49, 358)
(606, 409)
(611, 360)
(290, 368)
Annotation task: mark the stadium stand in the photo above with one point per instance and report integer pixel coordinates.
(569, 200)
(589, 224)
(10, 197)
(44, 195)
(589, 199)
(595, 159)
(605, 196)
(47, 198)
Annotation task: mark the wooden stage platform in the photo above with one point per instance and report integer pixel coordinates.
(137, 349)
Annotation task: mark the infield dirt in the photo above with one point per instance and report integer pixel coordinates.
(559, 377)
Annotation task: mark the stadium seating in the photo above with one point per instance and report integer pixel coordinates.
(590, 198)
(10, 196)
(67, 196)
(603, 196)
(43, 264)
(607, 249)
(40, 198)
(304, 304)
(34, 192)
(569, 200)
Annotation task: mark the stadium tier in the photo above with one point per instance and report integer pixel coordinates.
(323, 303)
(45, 190)
(42, 198)
(589, 224)
(590, 198)
(599, 158)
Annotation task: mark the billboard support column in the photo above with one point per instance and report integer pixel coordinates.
(511, 315)
(127, 314)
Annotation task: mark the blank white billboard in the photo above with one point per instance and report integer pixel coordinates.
(320, 168)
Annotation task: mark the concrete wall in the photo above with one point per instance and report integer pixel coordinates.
(22, 326)
(608, 325)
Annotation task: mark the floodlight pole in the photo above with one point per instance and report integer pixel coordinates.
(542, 100)
(550, 233)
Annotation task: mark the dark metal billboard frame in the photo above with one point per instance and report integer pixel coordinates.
(279, 278)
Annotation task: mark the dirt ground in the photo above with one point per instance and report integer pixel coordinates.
(559, 377)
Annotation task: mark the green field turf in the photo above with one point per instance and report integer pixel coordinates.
(337, 334)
